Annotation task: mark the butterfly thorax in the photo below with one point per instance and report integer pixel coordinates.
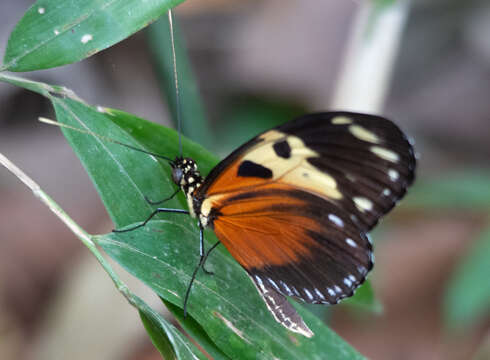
(188, 178)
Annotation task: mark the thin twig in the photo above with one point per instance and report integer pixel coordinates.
(371, 51)
(72, 225)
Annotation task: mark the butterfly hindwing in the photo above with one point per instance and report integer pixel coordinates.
(281, 309)
(299, 244)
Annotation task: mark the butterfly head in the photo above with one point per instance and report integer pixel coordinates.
(185, 174)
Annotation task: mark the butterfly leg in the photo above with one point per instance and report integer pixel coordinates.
(162, 201)
(201, 251)
(202, 260)
(206, 257)
(159, 210)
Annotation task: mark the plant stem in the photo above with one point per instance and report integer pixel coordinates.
(72, 225)
(370, 55)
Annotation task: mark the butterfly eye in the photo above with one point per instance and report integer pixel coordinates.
(177, 174)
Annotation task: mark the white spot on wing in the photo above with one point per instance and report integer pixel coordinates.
(320, 295)
(341, 120)
(370, 240)
(363, 204)
(86, 38)
(285, 286)
(273, 284)
(351, 242)
(393, 174)
(336, 220)
(331, 292)
(385, 153)
(308, 294)
(386, 192)
(363, 134)
(352, 278)
(337, 289)
(362, 270)
(347, 282)
(350, 177)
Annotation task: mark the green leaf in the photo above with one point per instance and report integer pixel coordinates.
(467, 299)
(174, 346)
(166, 338)
(164, 253)
(71, 111)
(158, 338)
(53, 33)
(193, 119)
(464, 191)
(196, 332)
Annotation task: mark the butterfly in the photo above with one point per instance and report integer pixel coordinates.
(294, 205)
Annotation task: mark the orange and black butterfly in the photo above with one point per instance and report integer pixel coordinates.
(294, 205)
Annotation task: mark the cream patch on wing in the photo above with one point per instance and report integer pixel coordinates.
(341, 120)
(210, 202)
(363, 134)
(362, 203)
(385, 154)
(295, 169)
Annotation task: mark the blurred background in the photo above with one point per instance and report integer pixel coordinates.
(260, 63)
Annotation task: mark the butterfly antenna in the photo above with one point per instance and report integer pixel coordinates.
(176, 80)
(105, 138)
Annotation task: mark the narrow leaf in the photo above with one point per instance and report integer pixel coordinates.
(197, 333)
(158, 338)
(166, 338)
(53, 33)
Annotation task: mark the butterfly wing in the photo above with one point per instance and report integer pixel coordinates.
(293, 243)
(293, 205)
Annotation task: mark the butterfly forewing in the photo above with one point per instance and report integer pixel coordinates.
(370, 158)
